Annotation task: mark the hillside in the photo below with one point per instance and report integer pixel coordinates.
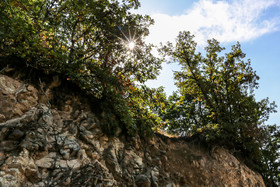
(50, 136)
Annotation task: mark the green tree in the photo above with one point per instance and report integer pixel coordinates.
(216, 99)
(86, 41)
(271, 155)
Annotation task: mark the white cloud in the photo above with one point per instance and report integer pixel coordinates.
(227, 21)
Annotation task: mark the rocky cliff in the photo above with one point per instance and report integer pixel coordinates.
(46, 145)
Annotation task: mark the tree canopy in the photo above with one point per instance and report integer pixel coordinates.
(88, 43)
(87, 40)
(216, 100)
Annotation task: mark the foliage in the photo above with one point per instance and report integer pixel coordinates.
(271, 155)
(216, 100)
(86, 41)
(133, 111)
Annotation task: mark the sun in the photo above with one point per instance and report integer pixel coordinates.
(129, 41)
(131, 45)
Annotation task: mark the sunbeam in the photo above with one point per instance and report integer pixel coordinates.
(131, 45)
(130, 41)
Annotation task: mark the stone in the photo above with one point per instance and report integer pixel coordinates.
(138, 160)
(93, 155)
(2, 156)
(97, 175)
(67, 182)
(8, 145)
(74, 164)
(2, 118)
(112, 162)
(65, 153)
(16, 98)
(68, 141)
(45, 162)
(61, 164)
(142, 181)
(171, 185)
(104, 139)
(8, 180)
(154, 173)
(16, 135)
(13, 166)
(157, 161)
(32, 173)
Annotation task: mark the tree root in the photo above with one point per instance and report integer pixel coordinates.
(18, 122)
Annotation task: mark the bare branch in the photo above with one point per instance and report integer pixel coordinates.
(21, 89)
(16, 122)
(46, 95)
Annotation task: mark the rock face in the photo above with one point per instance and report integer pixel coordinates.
(45, 146)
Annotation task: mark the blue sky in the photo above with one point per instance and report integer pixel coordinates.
(254, 23)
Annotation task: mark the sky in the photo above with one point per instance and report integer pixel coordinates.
(254, 23)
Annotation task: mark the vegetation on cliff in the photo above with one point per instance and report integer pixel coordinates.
(99, 46)
(215, 101)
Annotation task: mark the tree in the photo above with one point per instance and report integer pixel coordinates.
(216, 99)
(79, 38)
(271, 155)
(86, 41)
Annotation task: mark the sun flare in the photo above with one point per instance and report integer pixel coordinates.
(130, 41)
(131, 45)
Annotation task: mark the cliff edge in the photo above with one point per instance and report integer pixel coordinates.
(47, 145)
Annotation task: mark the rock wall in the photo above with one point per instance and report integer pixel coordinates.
(42, 145)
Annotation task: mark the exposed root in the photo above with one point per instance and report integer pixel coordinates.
(46, 95)
(22, 88)
(18, 122)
